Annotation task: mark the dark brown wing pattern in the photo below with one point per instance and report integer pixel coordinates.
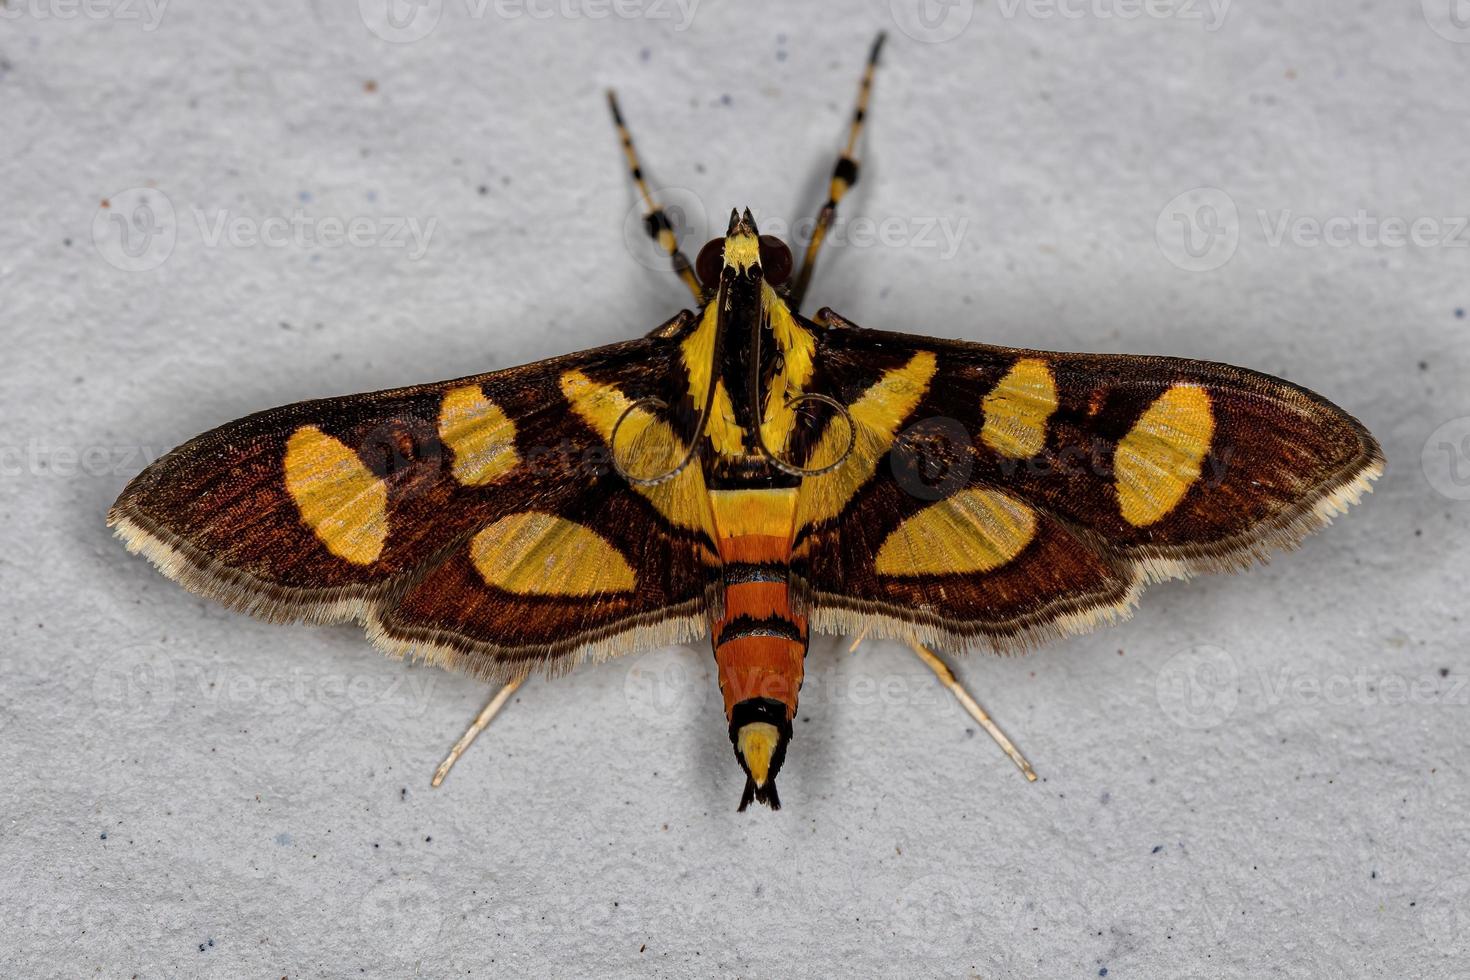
(1002, 497)
(476, 522)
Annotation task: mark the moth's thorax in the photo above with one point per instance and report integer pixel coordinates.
(758, 356)
(747, 346)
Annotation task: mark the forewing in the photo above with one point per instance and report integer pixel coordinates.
(1001, 496)
(478, 521)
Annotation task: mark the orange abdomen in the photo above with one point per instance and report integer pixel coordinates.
(760, 642)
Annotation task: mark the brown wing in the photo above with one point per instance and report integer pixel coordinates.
(1001, 496)
(475, 522)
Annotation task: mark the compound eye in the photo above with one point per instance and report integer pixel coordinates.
(775, 260)
(710, 261)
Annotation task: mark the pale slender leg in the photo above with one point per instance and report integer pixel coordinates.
(858, 640)
(491, 709)
(947, 678)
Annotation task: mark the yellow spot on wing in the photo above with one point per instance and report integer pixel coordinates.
(339, 498)
(971, 531)
(878, 413)
(542, 554)
(479, 434)
(757, 742)
(1017, 410)
(647, 447)
(1159, 459)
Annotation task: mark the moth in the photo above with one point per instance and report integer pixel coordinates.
(751, 474)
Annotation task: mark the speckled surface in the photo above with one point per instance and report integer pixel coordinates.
(1258, 775)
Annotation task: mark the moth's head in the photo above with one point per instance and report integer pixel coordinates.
(743, 253)
(760, 732)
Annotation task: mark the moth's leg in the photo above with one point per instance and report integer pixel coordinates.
(947, 678)
(857, 641)
(832, 321)
(844, 175)
(491, 709)
(655, 220)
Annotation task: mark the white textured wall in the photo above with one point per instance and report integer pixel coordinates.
(1260, 775)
